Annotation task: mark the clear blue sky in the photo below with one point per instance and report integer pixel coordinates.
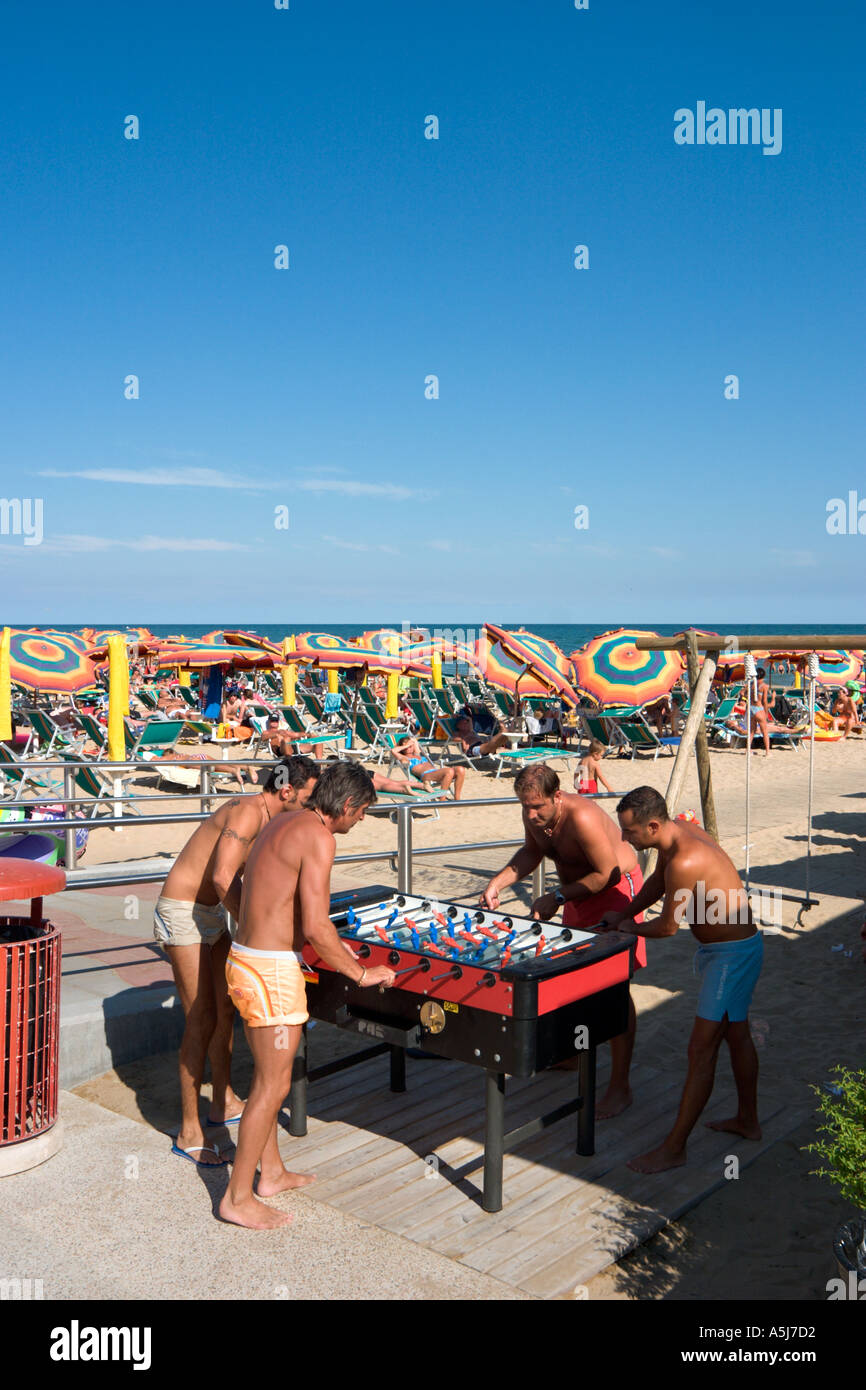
(305, 388)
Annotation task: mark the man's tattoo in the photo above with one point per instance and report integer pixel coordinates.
(229, 834)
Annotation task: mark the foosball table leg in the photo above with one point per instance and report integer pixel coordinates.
(398, 1068)
(298, 1090)
(586, 1113)
(494, 1145)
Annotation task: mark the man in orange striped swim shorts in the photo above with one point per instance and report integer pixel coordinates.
(285, 902)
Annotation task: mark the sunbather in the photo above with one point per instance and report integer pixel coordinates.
(476, 745)
(844, 712)
(410, 756)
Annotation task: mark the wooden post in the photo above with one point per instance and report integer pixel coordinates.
(694, 722)
(702, 752)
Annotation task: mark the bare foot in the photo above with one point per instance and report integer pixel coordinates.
(283, 1182)
(613, 1102)
(252, 1213)
(736, 1126)
(658, 1160)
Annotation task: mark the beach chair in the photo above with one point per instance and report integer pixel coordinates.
(17, 777)
(96, 782)
(517, 758)
(312, 704)
(302, 735)
(640, 738)
(52, 738)
(154, 740)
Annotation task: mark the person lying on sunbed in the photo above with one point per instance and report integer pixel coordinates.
(476, 745)
(410, 756)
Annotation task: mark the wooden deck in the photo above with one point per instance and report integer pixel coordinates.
(412, 1164)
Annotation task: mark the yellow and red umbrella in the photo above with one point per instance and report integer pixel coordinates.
(50, 661)
(337, 654)
(526, 663)
(613, 671)
(72, 639)
(237, 637)
(196, 653)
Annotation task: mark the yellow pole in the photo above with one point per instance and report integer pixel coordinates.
(798, 679)
(333, 682)
(436, 663)
(184, 676)
(124, 678)
(289, 673)
(5, 686)
(391, 705)
(116, 666)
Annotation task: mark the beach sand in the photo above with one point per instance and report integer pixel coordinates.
(767, 1235)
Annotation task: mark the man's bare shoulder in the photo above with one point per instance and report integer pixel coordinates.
(582, 812)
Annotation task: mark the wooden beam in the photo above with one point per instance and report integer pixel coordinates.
(702, 752)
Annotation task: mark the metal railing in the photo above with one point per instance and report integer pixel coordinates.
(401, 856)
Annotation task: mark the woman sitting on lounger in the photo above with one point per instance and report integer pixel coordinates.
(409, 755)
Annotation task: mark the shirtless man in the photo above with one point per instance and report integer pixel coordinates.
(598, 873)
(286, 900)
(702, 889)
(476, 745)
(189, 922)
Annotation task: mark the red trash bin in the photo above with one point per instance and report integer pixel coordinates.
(29, 1003)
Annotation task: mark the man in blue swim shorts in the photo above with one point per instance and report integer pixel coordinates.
(702, 890)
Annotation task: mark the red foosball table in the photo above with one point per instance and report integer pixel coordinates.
(499, 991)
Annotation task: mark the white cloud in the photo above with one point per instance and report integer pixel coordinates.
(81, 544)
(439, 545)
(161, 477)
(795, 559)
(350, 488)
(359, 545)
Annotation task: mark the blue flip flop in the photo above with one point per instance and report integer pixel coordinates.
(199, 1149)
(232, 1120)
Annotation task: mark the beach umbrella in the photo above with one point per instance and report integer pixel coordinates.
(71, 639)
(838, 672)
(332, 653)
(192, 652)
(543, 661)
(612, 670)
(383, 639)
(240, 638)
(43, 662)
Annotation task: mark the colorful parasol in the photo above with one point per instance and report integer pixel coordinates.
(72, 639)
(613, 671)
(239, 638)
(543, 663)
(199, 654)
(49, 662)
(337, 654)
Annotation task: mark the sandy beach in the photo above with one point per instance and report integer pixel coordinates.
(768, 1234)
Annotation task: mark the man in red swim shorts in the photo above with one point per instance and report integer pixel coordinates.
(598, 873)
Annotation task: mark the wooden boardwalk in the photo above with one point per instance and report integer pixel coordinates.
(411, 1163)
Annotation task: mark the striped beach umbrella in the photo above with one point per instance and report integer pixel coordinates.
(543, 663)
(337, 654)
(49, 662)
(846, 667)
(237, 637)
(612, 670)
(77, 640)
(382, 639)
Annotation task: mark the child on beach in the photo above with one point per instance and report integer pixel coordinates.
(589, 772)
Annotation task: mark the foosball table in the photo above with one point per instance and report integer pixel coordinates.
(496, 990)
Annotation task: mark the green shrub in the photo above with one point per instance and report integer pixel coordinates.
(842, 1145)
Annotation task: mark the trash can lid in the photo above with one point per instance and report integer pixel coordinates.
(22, 878)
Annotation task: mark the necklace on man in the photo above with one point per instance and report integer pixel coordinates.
(552, 830)
(265, 804)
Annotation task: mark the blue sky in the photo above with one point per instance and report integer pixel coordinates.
(304, 388)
